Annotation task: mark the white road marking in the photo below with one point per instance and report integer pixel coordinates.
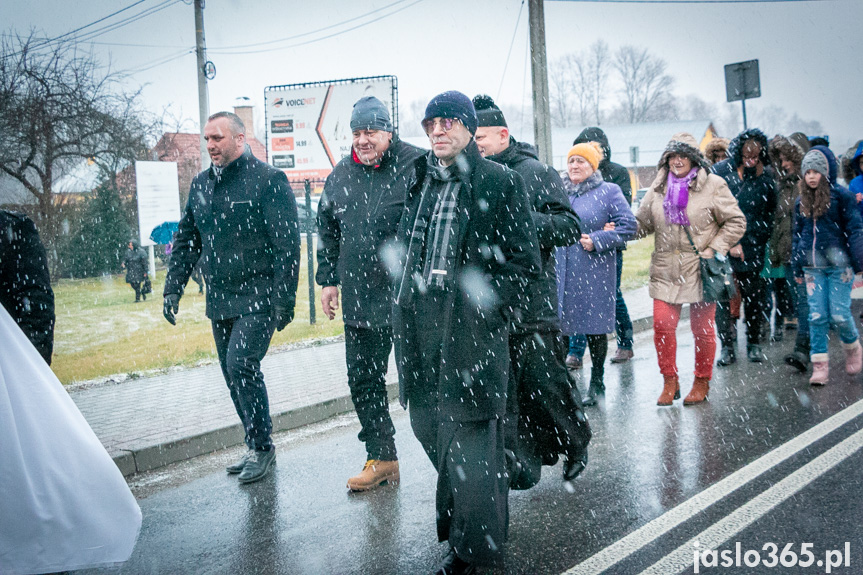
(714, 536)
(651, 531)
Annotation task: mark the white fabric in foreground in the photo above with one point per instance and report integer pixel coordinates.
(63, 503)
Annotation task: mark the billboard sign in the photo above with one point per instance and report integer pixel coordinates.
(308, 125)
(158, 196)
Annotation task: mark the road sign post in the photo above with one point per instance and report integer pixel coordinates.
(742, 82)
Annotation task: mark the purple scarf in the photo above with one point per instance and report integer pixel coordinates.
(677, 197)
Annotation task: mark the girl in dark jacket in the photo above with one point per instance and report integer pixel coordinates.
(828, 251)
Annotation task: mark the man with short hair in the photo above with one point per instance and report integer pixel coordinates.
(616, 174)
(358, 217)
(545, 419)
(241, 222)
(467, 245)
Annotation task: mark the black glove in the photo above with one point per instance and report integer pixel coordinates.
(170, 306)
(284, 316)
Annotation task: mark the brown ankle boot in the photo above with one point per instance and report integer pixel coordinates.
(670, 392)
(700, 389)
(375, 473)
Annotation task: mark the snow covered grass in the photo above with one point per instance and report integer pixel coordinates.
(101, 331)
(636, 263)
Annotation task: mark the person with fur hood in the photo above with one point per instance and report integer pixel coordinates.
(686, 198)
(827, 253)
(785, 156)
(716, 150)
(750, 178)
(852, 171)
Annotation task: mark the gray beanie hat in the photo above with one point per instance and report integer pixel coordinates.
(815, 160)
(371, 114)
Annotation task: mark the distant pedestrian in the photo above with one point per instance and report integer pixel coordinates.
(135, 263)
(855, 179)
(241, 222)
(716, 150)
(828, 251)
(612, 173)
(544, 418)
(686, 197)
(587, 271)
(25, 285)
(749, 176)
(358, 217)
(785, 156)
(468, 245)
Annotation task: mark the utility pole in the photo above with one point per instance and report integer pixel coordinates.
(539, 80)
(203, 97)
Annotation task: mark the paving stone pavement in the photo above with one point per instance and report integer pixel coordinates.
(151, 422)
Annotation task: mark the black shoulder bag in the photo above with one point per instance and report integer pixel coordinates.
(717, 278)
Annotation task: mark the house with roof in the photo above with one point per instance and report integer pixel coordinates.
(649, 139)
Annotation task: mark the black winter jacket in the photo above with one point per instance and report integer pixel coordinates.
(498, 253)
(757, 200)
(358, 217)
(243, 226)
(25, 287)
(136, 264)
(557, 225)
(611, 172)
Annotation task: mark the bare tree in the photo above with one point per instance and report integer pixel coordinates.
(59, 111)
(599, 67)
(692, 107)
(646, 87)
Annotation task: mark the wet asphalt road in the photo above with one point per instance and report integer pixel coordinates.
(644, 462)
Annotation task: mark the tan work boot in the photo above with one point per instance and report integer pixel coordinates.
(375, 473)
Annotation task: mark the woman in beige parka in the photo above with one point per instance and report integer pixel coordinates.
(685, 195)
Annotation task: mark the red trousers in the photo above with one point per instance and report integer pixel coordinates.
(701, 318)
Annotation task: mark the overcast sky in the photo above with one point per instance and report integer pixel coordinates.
(809, 52)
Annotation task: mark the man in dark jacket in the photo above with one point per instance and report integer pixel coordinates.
(544, 417)
(25, 286)
(616, 174)
(468, 245)
(241, 220)
(135, 262)
(358, 217)
(750, 179)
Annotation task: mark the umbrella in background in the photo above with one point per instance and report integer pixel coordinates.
(164, 232)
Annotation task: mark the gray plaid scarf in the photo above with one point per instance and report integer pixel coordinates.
(431, 253)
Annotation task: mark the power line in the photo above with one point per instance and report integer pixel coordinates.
(511, 44)
(219, 52)
(280, 40)
(93, 23)
(688, 1)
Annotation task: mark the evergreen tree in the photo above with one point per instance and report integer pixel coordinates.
(98, 243)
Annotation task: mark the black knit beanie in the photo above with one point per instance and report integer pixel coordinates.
(455, 105)
(487, 113)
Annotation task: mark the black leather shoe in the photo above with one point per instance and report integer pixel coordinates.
(258, 465)
(573, 466)
(798, 360)
(754, 354)
(452, 564)
(239, 465)
(727, 357)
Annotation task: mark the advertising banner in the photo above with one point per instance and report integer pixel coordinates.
(158, 196)
(308, 125)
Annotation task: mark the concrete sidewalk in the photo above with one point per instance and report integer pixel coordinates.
(151, 422)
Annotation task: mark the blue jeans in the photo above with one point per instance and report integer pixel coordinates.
(622, 322)
(828, 291)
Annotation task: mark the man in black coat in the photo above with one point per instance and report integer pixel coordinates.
(25, 286)
(468, 245)
(241, 221)
(358, 217)
(548, 417)
(750, 179)
(616, 174)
